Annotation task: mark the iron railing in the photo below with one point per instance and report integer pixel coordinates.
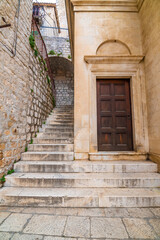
(41, 46)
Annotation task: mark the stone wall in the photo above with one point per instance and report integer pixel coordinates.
(62, 70)
(64, 86)
(150, 25)
(25, 95)
(58, 44)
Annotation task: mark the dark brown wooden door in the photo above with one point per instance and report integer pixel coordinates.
(114, 115)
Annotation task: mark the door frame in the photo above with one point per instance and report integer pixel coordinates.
(131, 130)
(127, 70)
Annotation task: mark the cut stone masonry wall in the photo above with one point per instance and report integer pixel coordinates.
(25, 95)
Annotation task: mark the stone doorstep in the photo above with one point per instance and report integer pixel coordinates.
(68, 197)
(83, 180)
(86, 166)
(114, 156)
(51, 147)
(47, 156)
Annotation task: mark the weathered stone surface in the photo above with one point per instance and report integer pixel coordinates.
(5, 236)
(15, 222)
(18, 236)
(140, 212)
(77, 227)
(155, 223)
(156, 211)
(45, 224)
(138, 228)
(3, 215)
(107, 228)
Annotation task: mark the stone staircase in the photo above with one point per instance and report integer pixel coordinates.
(48, 176)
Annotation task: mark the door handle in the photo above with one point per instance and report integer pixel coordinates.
(129, 116)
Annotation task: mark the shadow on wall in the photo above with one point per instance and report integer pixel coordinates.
(63, 74)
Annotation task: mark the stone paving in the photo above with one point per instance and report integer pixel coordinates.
(79, 223)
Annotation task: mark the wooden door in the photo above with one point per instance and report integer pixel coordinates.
(114, 115)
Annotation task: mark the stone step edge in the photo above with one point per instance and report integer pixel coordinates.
(111, 198)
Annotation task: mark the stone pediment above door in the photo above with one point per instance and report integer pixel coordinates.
(113, 51)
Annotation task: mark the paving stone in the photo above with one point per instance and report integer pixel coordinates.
(3, 215)
(3, 209)
(15, 222)
(140, 213)
(39, 210)
(77, 227)
(139, 228)
(58, 238)
(66, 211)
(18, 236)
(156, 225)
(156, 211)
(15, 209)
(46, 224)
(108, 228)
(5, 236)
(116, 212)
(91, 212)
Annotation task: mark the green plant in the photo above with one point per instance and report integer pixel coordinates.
(48, 79)
(31, 142)
(59, 54)
(54, 101)
(31, 90)
(10, 171)
(67, 40)
(52, 52)
(35, 135)
(3, 179)
(44, 122)
(32, 41)
(69, 56)
(36, 53)
(26, 149)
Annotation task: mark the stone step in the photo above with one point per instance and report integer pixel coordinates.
(83, 180)
(47, 156)
(80, 197)
(61, 121)
(115, 156)
(53, 141)
(50, 147)
(55, 135)
(63, 116)
(86, 166)
(57, 130)
(60, 127)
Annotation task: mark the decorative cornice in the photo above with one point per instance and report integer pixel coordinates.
(94, 59)
(105, 5)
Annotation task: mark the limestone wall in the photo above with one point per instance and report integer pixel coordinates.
(25, 95)
(92, 28)
(150, 25)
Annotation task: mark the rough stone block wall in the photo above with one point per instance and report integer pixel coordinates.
(64, 86)
(58, 44)
(22, 110)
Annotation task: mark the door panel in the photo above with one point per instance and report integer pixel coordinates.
(114, 115)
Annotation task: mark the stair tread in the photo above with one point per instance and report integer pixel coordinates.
(81, 163)
(80, 192)
(84, 176)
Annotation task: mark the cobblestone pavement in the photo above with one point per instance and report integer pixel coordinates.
(79, 223)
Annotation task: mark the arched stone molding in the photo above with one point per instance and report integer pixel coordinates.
(113, 47)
